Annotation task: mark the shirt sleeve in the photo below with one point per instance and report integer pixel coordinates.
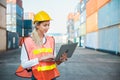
(25, 62)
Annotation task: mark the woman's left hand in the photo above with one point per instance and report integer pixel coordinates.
(63, 57)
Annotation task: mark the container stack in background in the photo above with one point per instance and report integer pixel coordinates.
(99, 25)
(3, 25)
(12, 40)
(109, 27)
(82, 27)
(14, 15)
(14, 23)
(28, 23)
(70, 28)
(27, 27)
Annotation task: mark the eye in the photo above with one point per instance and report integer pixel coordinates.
(46, 25)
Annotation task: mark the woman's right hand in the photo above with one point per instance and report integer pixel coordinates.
(49, 57)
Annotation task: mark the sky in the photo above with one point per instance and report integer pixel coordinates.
(57, 9)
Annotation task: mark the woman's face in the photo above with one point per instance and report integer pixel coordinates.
(43, 27)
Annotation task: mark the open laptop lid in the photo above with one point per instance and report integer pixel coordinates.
(68, 48)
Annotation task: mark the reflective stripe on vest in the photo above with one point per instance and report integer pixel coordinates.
(42, 50)
(44, 68)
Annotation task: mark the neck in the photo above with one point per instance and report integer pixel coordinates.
(41, 35)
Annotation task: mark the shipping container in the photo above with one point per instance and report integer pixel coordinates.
(14, 9)
(27, 24)
(19, 30)
(109, 14)
(83, 17)
(19, 21)
(91, 7)
(101, 3)
(76, 17)
(19, 2)
(92, 40)
(82, 5)
(2, 40)
(2, 17)
(82, 41)
(109, 39)
(27, 32)
(82, 29)
(92, 23)
(76, 33)
(18, 10)
(12, 40)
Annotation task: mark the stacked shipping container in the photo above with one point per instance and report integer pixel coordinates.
(109, 27)
(12, 40)
(102, 25)
(99, 25)
(70, 28)
(2, 25)
(27, 27)
(14, 16)
(82, 27)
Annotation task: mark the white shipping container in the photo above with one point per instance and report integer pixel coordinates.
(3, 40)
(2, 17)
(92, 40)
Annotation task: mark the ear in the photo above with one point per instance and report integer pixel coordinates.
(37, 27)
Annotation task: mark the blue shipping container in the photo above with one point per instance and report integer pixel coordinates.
(27, 32)
(27, 24)
(109, 14)
(12, 40)
(83, 17)
(19, 31)
(82, 5)
(109, 39)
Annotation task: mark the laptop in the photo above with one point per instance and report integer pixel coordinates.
(67, 48)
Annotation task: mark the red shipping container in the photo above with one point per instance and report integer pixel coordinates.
(101, 3)
(91, 7)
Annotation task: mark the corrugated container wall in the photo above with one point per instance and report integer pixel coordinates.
(14, 17)
(92, 23)
(12, 40)
(101, 3)
(27, 32)
(83, 17)
(27, 24)
(109, 39)
(19, 2)
(76, 16)
(82, 29)
(109, 14)
(82, 5)
(2, 25)
(91, 7)
(92, 40)
(19, 31)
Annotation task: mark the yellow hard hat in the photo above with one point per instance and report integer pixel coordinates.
(41, 16)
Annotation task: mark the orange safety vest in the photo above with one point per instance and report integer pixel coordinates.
(43, 70)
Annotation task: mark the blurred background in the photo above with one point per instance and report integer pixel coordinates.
(93, 24)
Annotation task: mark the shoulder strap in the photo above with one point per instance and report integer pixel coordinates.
(26, 49)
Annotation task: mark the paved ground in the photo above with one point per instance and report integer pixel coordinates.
(85, 64)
